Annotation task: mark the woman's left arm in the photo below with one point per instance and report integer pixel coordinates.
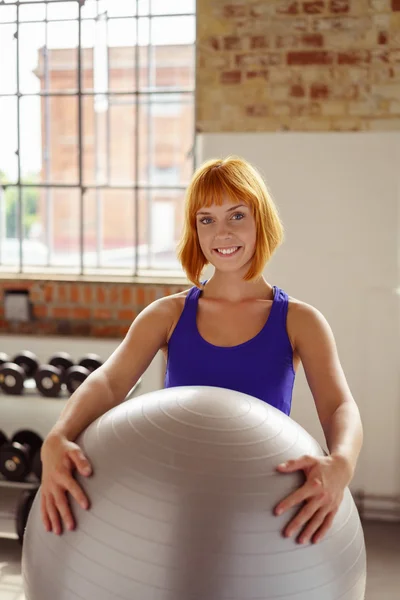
(326, 477)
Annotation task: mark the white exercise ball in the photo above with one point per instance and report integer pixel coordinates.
(182, 500)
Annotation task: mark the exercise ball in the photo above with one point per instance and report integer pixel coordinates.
(183, 490)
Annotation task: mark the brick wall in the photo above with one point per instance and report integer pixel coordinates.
(103, 310)
(316, 65)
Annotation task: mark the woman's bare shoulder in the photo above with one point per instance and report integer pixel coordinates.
(172, 306)
(298, 309)
(174, 302)
(303, 318)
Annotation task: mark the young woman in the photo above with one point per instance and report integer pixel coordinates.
(235, 331)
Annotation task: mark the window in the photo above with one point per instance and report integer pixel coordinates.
(168, 175)
(96, 134)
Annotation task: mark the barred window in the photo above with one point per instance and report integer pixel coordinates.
(96, 134)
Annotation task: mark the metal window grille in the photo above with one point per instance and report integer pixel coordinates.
(97, 134)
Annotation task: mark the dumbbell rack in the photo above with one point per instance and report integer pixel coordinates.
(10, 493)
(28, 404)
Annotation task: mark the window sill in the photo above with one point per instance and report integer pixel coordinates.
(155, 278)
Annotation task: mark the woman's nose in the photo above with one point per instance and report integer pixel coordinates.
(222, 231)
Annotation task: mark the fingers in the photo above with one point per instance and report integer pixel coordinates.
(322, 531)
(59, 464)
(43, 511)
(64, 510)
(297, 497)
(296, 464)
(80, 462)
(53, 515)
(77, 493)
(55, 508)
(313, 525)
(302, 517)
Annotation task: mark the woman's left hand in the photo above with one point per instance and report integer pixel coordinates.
(326, 479)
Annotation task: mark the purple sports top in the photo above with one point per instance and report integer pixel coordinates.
(261, 367)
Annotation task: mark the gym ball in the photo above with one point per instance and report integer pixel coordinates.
(182, 498)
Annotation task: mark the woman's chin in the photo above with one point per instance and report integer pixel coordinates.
(229, 267)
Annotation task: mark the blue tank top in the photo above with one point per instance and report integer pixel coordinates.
(261, 367)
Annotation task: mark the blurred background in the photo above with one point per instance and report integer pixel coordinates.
(106, 109)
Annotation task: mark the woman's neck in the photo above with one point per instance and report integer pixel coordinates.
(229, 286)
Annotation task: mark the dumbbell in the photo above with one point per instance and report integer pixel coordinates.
(4, 358)
(13, 374)
(77, 374)
(91, 362)
(36, 465)
(51, 377)
(3, 439)
(19, 457)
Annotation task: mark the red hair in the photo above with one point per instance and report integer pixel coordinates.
(239, 180)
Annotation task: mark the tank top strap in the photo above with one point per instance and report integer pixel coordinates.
(189, 313)
(279, 310)
(192, 297)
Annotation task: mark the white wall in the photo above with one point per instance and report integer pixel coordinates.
(338, 196)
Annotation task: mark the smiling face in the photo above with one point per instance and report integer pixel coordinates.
(227, 234)
(230, 220)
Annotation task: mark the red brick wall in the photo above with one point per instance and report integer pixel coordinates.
(83, 309)
(323, 65)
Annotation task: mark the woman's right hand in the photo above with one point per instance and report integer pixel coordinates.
(60, 457)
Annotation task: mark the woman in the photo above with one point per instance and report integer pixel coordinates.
(235, 331)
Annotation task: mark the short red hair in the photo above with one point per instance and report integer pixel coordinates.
(236, 178)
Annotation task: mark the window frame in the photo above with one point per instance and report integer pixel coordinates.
(136, 271)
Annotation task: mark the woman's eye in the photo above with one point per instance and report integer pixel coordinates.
(238, 216)
(205, 220)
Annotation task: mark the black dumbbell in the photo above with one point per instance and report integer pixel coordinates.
(13, 374)
(51, 377)
(77, 374)
(17, 456)
(36, 466)
(62, 361)
(91, 362)
(3, 439)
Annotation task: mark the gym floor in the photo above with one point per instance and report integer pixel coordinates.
(383, 552)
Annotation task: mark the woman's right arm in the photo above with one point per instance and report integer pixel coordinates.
(103, 389)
